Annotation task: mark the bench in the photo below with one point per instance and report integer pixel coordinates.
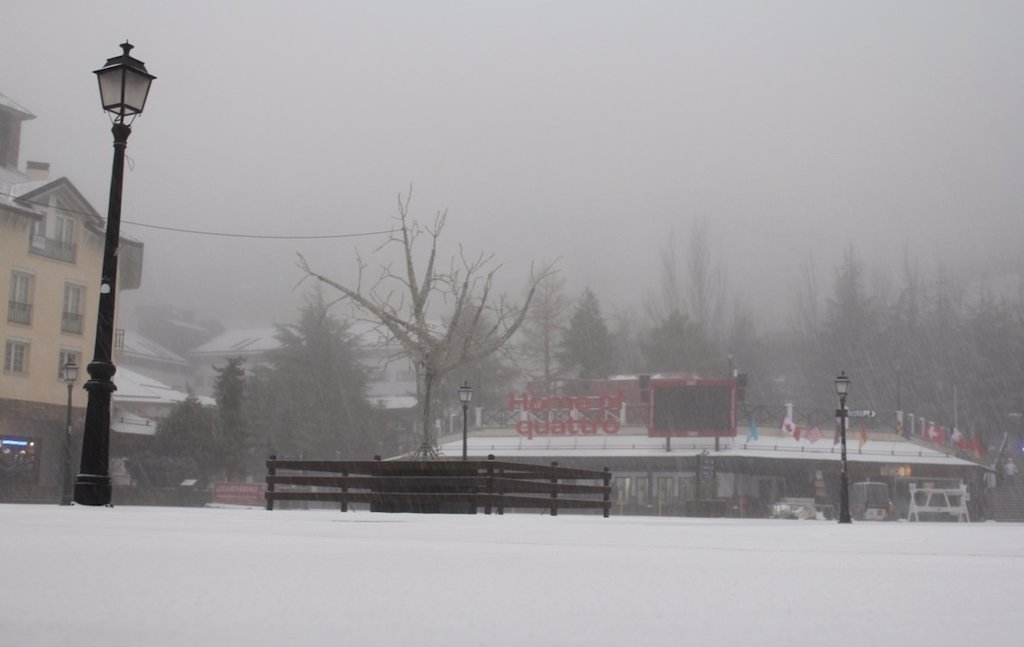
(438, 486)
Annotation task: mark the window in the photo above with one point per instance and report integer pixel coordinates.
(19, 459)
(69, 356)
(16, 357)
(19, 303)
(641, 490)
(54, 238)
(71, 318)
(65, 234)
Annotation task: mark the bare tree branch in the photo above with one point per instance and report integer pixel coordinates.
(465, 286)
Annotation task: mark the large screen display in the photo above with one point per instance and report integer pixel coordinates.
(692, 408)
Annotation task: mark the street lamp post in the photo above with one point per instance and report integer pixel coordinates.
(842, 388)
(898, 367)
(465, 396)
(124, 85)
(70, 374)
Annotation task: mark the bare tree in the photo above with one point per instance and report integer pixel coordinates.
(543, 328)
(669, 296)
(700, 294)
(806, 319)
(706, 293)
(400, 300)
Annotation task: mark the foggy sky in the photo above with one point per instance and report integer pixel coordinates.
(586, 130)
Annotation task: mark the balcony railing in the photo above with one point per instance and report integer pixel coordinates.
(51, 248)
(71, 322)
(18, 312)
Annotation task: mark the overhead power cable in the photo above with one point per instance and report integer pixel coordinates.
(212, 233)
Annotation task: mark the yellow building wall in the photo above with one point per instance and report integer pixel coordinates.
(43, 382)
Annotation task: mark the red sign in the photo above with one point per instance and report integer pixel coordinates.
(563, 415)
(239, 494)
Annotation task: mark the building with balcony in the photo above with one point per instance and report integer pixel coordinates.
(51, 254)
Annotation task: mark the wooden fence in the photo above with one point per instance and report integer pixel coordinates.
(438, 486)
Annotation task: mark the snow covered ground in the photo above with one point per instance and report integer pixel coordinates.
(170, 576)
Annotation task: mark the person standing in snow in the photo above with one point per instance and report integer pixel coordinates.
(1009, 472)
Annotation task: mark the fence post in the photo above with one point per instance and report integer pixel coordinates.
(554, 492)
(271, 470)
(607, 492)
(501, 493)
(344, 490)
(490, 482)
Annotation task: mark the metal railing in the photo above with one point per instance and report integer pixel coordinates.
(18, 312)
(51, 248)
(71, 322)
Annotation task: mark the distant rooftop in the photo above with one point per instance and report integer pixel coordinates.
(136, 388)
(137, 346)
(8, 104)
(241, 342)
(11, 182)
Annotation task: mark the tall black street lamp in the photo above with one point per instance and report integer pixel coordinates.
(465, 396)
(70, 375)
(842, 388)
(124, 86)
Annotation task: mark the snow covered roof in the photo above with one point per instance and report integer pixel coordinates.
(634, 442)
(135, 345)
(245, 341)
(126, 422)
(8, 104)
(393, 402)
(134, 387)
(10, 181)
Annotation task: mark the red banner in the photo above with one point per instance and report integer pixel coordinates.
(239, 494)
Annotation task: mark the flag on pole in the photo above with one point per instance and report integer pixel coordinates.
(752, 433)
(835, 438)
(787, 428)
(976, 448)
(863, 435)
(814, 435)
(957, 438)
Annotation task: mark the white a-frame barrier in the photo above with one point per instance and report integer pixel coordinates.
(949, 501)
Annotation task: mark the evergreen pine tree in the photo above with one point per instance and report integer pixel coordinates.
(586, 348)
(229, 391)
(311, 399)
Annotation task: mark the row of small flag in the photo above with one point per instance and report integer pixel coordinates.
(964, 441)
(813, 435)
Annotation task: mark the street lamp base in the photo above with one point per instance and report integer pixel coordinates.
(92, 489)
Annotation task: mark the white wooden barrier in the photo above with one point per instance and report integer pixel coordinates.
(950, 501)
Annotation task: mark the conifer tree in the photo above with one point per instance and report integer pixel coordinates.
(229, 391)
(586, 348)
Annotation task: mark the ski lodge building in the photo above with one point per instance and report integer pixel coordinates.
(674, 447)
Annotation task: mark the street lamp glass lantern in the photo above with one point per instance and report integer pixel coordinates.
(70, 371)
(124, 84)
(465, 393)
(842, 384)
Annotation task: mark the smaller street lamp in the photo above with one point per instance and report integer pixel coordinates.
(70, 374)
(465, 396)
(842, 384)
